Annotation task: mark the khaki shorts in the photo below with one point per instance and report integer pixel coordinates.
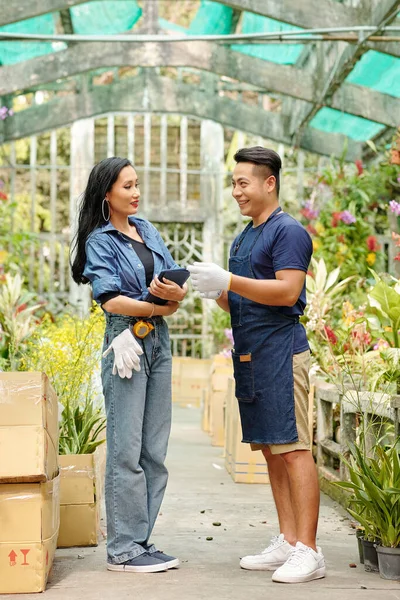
(301, 365)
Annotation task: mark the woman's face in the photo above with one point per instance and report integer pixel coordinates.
(123, 198)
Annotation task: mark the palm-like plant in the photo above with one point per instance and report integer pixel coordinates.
(80, 428)
(322, 287)
(17, 321)
(375, 486)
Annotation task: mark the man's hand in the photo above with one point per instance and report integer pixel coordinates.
(126, 354)
(208, 277)
(211, 295)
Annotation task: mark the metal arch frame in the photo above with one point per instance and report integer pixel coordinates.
(295, 83)
(280, 79)
(305, 14)
(150, 93)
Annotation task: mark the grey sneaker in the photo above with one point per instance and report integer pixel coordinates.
(170, 561)
(144, 563)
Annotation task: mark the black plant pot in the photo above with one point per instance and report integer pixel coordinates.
(370, 556)
(359, 536)
(389, 562)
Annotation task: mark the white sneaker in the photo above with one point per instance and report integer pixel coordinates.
(271, 558)
(303, 564)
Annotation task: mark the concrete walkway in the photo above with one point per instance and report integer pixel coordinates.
(199, 494)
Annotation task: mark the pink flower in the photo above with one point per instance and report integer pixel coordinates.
(229, 335)
(395, 207)
(309, 212)
(347, 217)
(380, 344)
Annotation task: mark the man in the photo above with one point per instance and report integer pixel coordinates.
(264, 292)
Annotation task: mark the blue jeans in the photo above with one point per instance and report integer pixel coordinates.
(138, 426)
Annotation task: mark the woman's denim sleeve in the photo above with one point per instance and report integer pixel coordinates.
(101, 266)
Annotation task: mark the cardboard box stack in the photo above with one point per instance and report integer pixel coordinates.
(244, 465)
(82, 477)
(29, 481)
(176, 378)
(221, 371)
(189, 377)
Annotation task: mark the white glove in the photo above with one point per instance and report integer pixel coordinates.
(211, 295)
(126, 354)
(208, 277)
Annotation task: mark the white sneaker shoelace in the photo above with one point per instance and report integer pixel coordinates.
(276, 541)
(297, 556)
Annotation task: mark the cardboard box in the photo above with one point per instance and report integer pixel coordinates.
(221, 371)
(229, 408)
(28, 428)
(244, 465)
(29, 522)
(205, 408)
(176, 378)
(190, 376)
(82, 478)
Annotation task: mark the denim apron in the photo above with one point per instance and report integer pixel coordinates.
(262, 360)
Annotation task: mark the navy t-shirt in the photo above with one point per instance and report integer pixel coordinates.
(283, 244)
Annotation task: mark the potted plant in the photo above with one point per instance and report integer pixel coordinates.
(375, 504)
(69, 351)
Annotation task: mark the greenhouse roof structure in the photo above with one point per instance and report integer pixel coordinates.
(324, 76)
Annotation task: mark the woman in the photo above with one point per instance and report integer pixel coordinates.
(119, 254)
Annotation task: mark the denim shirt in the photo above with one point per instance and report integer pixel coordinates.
(112, 265)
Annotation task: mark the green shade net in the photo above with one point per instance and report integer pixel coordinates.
(374, 70)
(335, 121)
(378, 71)
(284, 54)
(105, 17)
(13, 52)
(211, 19)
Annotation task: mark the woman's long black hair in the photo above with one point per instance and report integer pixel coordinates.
(101, 179)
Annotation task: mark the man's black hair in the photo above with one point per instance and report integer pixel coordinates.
(267, 162)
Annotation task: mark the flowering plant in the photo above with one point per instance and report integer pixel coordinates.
(348, 208)
(69, 352)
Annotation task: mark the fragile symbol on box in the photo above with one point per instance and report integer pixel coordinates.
(25, 552)
(12, 556)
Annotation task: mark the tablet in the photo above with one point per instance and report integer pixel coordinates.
(179, 276)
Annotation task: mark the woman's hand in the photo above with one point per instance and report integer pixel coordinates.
(167, 290)
(166, 310)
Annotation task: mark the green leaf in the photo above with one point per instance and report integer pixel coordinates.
(332, 278)
(371, 144)
(385, 297)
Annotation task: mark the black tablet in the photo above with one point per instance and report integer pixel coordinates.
(179, 276)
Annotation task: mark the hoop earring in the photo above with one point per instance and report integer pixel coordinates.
(102, 210)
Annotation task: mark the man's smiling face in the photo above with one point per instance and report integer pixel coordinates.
(251, 188)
